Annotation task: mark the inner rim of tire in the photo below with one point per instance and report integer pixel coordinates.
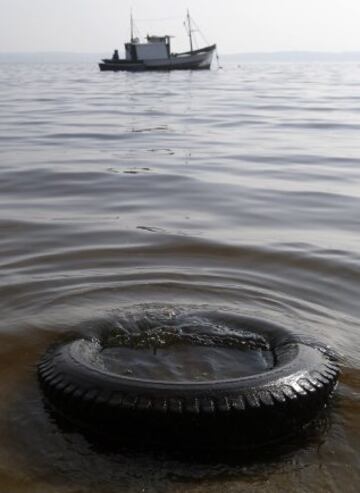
(183, 354)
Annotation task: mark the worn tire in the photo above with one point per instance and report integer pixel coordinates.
(241, 412)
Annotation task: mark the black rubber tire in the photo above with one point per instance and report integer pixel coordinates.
(245, 411)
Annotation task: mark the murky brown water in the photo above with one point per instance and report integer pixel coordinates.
(234, 190)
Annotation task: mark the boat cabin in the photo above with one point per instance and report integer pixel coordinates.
(156, 47)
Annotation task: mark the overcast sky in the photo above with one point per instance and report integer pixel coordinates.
(236, 25)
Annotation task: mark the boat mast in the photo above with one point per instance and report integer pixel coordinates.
(190, 30)
(131, 26)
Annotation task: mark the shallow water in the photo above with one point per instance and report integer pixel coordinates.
(234, 190)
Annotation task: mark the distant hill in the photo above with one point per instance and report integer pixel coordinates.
(51, 57)
(281, 56)
(295, 56)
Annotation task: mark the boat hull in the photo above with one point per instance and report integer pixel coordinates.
(196, 60)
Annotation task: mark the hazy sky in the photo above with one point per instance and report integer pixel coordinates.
(236, 25)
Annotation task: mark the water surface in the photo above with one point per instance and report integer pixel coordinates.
(234, 190)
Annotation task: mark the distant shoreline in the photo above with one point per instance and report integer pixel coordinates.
(281, 56)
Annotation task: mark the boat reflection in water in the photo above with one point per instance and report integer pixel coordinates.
(156, 54)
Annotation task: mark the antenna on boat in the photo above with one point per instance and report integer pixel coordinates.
(190, 30)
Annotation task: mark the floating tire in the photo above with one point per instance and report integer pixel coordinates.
(241, 412)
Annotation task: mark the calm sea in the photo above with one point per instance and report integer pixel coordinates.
(234, 189)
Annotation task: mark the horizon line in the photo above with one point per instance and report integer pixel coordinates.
(67, 52)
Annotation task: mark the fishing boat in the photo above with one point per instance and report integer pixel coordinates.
(155, 54)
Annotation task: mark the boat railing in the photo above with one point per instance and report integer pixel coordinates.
(196, 52)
